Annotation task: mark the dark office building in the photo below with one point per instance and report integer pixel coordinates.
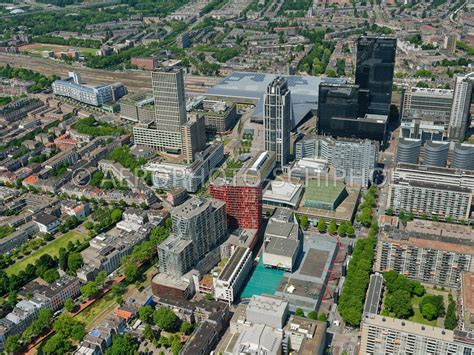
(368, 127)
(336, 101)
(374, 71)
(342, 113)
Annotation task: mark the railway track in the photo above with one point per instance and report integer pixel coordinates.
(135, 80)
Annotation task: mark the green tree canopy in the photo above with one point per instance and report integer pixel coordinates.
(165, 319)
(145, 314)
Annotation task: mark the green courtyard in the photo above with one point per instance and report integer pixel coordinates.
(51, 248)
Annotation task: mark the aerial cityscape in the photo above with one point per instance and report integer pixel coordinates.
(258, 177)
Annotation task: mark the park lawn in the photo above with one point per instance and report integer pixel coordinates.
(51, 248)
(417, 316)
(89, 315)
(37, 48)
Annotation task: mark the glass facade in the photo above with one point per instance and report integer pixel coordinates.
(374, 71)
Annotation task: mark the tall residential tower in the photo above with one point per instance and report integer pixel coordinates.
(461, 107)
(277, 120)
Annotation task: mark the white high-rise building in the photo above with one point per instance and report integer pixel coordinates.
(277, 120)
(354, 159)
(461, 106)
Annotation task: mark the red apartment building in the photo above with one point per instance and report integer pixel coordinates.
(145, 63)
(243, 202)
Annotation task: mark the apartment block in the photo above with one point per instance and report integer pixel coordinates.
(429, 191)
(386, 335)
(19, 108)
(354, 158)
(106, 252)
(243, 201)
(425, 199)
(425, 258)
(168, 176)
(57, 292)
(199, 225)
(232, 278)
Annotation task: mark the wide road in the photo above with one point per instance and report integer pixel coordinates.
(134, 80)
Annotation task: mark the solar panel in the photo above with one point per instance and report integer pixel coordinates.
(258, 78)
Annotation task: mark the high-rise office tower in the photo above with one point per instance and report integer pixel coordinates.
(374, 71)
(461, 107)
(169, 129)
(277, 119)
(336, 100)
(170, 104)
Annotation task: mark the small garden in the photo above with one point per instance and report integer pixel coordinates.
(246, 143)
(408, 299)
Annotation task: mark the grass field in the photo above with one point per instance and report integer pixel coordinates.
(37, 48)
(417, 317)
(88, 316)
(51, 249)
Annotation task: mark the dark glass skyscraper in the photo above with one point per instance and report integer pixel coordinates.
(374, 71)
(336, 100)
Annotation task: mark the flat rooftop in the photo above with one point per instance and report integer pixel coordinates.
(283, 192)
(282, 246)
(262, 281)
(324, 191)
(374, 294)
(252, 86)
(235, 259)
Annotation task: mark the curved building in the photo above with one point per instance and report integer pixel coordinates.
(408, 150)
(436, 153)
(463, 156)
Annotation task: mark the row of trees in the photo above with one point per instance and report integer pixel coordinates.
(67, 330)
(365, 208)
(73, 42)
(45, 267)
(105, 219)
(35, 329)
(144, 252)
(41, 82)
(92, 127)
(165, 319)
(311, 315)
(451, 320)
(351, 302)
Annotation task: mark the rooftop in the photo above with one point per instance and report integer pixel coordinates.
(326, 191)
(235, 260)
(45, 218)
(304, 90)
(281, 191)
(267, 304)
